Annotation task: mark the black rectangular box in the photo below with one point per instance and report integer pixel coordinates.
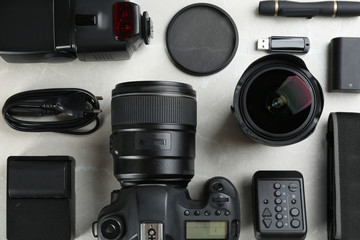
(343, 140)
(40, 198)
(344, 65)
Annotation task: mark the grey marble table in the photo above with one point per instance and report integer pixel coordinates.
(221, 147)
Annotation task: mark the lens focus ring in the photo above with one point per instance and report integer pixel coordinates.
(153, 109)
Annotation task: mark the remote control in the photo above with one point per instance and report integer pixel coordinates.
(279, 205)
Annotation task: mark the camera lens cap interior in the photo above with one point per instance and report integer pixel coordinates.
(202, 39)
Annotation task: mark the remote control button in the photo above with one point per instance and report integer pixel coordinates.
(187, 213)
(278, 208)
(266, 201)
(227, 213)
(197, 213)
(278, 201)
(266, 213)
(293, 201)
(267, 222)
(279, 216)
(207, 213)
(293, 187)
(217, 212)
(277, 193)
(277, 185)
(295, 223)
(218, 187)
(294, 212)
(279, 224)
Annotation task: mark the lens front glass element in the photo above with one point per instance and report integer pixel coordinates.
(278, 101)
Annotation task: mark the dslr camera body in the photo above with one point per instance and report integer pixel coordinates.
(153, 147)
(168, 213)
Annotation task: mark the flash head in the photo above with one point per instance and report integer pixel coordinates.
(61, 31)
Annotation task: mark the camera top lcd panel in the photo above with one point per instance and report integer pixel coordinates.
(60, 30)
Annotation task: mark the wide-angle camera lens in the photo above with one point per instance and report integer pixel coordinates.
(278, 101)
(153, 140)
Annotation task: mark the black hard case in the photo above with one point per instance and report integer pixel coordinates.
(343, 139)
(40, 198)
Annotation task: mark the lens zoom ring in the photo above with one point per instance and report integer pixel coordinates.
(153, 109)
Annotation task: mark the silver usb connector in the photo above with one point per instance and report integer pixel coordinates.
(263, 44)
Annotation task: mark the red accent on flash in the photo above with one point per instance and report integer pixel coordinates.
(123, 20)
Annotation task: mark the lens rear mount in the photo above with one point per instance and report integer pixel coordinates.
(277, 101)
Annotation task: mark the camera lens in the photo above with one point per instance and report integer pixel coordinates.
(278, 101)
(153, 140)
(112, 228)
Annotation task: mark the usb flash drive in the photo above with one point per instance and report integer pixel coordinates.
(284, 44)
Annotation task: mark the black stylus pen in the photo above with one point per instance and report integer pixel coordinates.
(309, 9)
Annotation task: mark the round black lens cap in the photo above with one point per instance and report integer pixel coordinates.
(202, 39)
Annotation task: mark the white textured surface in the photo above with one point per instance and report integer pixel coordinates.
(222, 149)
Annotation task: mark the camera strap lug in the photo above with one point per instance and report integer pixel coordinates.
(94, 226)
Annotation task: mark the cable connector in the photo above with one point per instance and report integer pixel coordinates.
(75, 105)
